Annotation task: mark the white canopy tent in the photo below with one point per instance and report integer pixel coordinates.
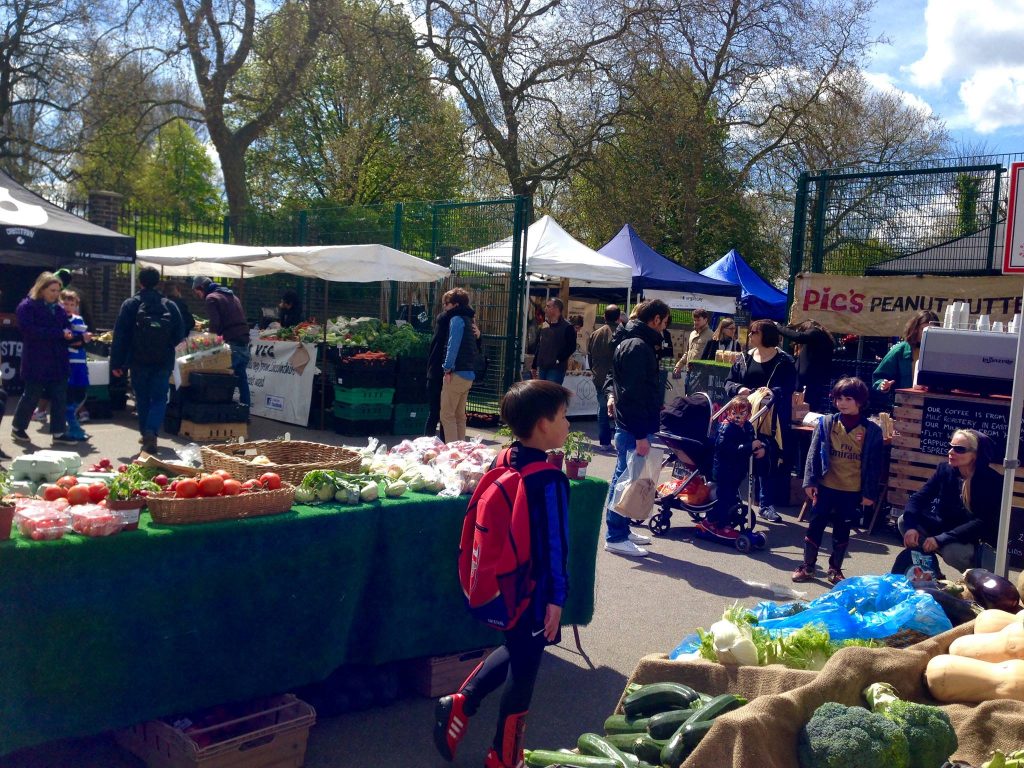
(551, 252)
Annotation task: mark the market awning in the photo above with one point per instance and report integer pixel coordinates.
(37, 233)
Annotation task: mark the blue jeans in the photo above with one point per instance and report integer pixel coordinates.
(618, 526)
(240, 357)
(150, 384)
(604, 424)
(556, 375)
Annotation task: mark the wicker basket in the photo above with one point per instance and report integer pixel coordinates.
(166, 509)
(291, 459)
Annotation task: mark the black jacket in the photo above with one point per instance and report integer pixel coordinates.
(781, 380)
(439, 341)
(634, 379)
(124, 329)
(712, 347)
(814, 363)
(555, 345)
(938, 510)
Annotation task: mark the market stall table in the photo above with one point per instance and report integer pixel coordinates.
(104, 633)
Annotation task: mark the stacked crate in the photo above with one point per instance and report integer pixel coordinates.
(363, 394)
(205, 409)
(410, 412)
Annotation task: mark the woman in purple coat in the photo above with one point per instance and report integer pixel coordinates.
(45, 331)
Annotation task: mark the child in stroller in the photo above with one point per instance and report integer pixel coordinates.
(699, 447)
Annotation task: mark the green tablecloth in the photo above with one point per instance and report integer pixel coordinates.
(102, 633)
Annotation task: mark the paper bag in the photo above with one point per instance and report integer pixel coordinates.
(635, 493)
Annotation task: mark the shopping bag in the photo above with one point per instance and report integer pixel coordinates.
(635, 492)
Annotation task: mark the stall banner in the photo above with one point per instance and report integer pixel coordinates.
(681, 300)
(881, 306)
(584, 394)
(281, 380)
(10, 360)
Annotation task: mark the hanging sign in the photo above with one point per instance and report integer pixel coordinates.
(281, 380)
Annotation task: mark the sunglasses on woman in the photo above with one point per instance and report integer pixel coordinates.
(959, 449)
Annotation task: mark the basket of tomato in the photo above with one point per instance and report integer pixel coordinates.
(218, 496)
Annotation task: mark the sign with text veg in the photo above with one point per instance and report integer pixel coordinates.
(881, 306)
(1013, 252)
(281, 380)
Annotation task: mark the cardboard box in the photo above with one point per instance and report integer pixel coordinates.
(435, 676)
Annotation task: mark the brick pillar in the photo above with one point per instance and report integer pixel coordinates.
(105, 208)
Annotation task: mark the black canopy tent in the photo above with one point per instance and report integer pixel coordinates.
(39, 234)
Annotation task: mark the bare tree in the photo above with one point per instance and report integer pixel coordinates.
(539, 81)
(218, 38)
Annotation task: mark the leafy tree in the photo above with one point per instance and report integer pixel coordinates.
(368, 126)
(179, 175)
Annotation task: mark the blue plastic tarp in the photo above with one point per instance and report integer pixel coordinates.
(758, 297)
(653, 271)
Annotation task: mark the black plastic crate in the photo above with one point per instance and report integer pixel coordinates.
(172, 423)
(414, 366)
(361, 427)
(210, 387)
(98, 409)
(411, 389)
(215, 413)
(364, 373)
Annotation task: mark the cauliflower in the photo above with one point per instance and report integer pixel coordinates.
(838, 736)
(929, 733)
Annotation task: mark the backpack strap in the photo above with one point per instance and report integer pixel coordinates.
(537, 466)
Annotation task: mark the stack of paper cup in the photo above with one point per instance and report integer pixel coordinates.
(984, 323)
(997, 326)
(1015, 324)
(947, 318)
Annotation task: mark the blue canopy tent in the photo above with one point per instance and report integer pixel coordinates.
(661, 278)
(758, 297)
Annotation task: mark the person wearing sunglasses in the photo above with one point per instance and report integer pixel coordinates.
(956, 513)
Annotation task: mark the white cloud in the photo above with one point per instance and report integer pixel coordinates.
(886, 84)
(994, 98)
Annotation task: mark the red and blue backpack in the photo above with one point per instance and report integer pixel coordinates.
(494, 554)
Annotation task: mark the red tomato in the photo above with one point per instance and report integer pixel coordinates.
(161, 480)
(232, 487)
(270, 480)
(248, 485)
(222, 473)
(211, 485)
(97, 492)
(52, 492)
(68, 481)
(78, 494)
(105, 463)
(187, 489)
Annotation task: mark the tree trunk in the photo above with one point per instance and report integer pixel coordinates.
(232, 163)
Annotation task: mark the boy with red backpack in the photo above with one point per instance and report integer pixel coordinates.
(512, 566)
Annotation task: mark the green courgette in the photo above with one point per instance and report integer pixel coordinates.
(648, 749)
(592, 744)
(624, 741)
(544, 758)
(623, 724)
(658, 697)
(719, 705)
(683, 743)
(664, 724)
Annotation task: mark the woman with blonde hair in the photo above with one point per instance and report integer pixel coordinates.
(45, 330)
(725, 338)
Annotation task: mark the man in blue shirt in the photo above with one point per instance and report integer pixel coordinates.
(459, 357)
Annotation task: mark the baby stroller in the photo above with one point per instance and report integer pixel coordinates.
(686, 430)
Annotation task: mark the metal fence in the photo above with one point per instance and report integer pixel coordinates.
(938, 218)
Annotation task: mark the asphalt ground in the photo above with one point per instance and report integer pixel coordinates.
(642, 606)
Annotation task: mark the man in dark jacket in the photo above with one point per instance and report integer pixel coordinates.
(147, 330)
(555, 344)
(227, 319)
(634, 398)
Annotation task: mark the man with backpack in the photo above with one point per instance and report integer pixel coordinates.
(513, 569)
(227, 319)
(147, 330)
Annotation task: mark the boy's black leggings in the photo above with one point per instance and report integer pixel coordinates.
(515, 664)
(840, 508)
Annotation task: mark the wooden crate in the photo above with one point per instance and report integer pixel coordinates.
(274, 736)
(213, 432)
(910, 467)
(435, 676)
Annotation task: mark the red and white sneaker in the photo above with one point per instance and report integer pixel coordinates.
(493, 760)
(450, 724)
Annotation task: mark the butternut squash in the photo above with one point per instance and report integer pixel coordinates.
(1006, 644)
(993, 620)
(956, 678)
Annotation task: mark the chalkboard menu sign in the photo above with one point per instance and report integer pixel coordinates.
(710, 377)
(941, 417)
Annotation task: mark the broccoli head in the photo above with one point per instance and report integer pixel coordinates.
(837, 736)
(929, 733)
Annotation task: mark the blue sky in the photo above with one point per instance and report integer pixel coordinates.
(962, 59)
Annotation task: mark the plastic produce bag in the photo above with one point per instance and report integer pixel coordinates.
(636, 490)
(861, 607)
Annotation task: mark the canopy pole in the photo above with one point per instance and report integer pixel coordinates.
(323, 371)
(527, 312)
(131, 285)
(629, 295)
(1010, 461)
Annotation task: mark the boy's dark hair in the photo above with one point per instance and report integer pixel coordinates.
(702, 313)
(740, 402)
(149, 277)
(457, 296)
(768, 330)
(526, 402)
(612, 314)
(852, 387)
(650, 310)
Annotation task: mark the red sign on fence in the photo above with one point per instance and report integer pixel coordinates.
(1013, 252)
